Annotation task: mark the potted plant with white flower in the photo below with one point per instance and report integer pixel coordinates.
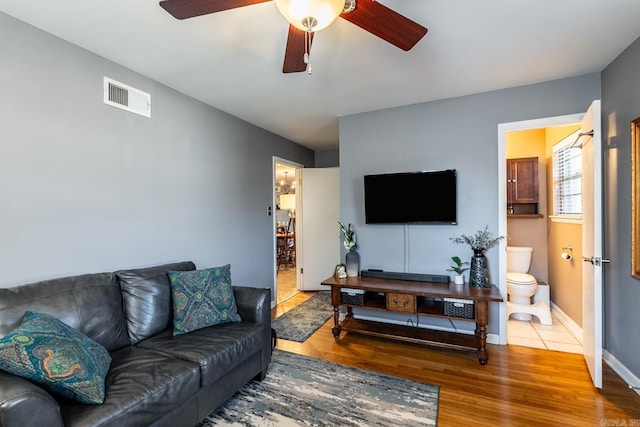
(352, 259)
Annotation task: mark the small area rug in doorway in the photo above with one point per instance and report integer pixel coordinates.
(304, 391)
(302, 321)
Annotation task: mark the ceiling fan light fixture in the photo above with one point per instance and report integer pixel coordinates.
(310, 15)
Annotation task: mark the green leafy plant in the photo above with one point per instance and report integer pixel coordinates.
(482, 241)
(457, 268)
(350, 241)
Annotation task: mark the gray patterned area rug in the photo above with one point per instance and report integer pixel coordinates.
(302, 321)
(304, 391)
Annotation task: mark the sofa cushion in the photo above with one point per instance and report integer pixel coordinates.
(146, 295)
(142, 386)
(217, 349)
(90, 303)
(202, 298)
(61, 359)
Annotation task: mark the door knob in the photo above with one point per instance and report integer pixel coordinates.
(596, 260)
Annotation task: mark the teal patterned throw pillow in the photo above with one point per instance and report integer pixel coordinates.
(60, 359)
(202, 298)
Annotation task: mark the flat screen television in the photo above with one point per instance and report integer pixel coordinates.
(411, 198)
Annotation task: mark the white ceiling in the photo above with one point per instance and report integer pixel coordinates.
(232, 60)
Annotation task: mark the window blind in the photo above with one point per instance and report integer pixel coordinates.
(567, 177)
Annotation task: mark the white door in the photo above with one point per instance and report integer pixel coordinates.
(592, 242)
(319, 249)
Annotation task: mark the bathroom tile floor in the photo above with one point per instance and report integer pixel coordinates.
(533, 334)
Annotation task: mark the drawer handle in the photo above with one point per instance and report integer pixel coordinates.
(404, 304)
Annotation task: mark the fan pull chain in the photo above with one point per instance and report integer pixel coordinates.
(307, 43)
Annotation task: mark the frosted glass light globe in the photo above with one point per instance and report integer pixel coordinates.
(323, 11)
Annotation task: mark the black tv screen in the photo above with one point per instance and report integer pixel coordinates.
(411, 198)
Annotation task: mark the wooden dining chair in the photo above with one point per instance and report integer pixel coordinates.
(290, 248)
(281, 250)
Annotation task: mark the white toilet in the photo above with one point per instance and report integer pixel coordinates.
(522, 286)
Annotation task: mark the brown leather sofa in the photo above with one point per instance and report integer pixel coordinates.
(155, 378)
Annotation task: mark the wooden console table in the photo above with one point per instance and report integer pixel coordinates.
(416, 298)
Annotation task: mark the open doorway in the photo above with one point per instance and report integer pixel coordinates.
(542, 246)
(286, 184)
(532, 227)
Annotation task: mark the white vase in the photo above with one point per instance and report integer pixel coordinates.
(458, 279)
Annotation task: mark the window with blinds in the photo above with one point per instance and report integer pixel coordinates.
(567, 177)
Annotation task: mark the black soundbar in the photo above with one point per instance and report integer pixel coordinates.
(414, 277)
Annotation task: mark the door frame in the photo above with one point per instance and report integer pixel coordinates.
(503, 129)
(297, 166)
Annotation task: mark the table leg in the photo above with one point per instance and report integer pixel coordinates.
(336, 322)
(482, 318)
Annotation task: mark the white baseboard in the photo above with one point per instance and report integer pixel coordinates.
(624, 373)
(568, 322)
(493, 339)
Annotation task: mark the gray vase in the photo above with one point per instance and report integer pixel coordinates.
(479, 272)
(353, 263)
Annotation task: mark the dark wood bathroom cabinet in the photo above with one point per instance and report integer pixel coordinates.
(522, 186)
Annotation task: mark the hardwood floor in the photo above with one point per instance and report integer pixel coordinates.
(519, 386)
(286, 278)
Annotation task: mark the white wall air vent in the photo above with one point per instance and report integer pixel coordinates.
(126, 97)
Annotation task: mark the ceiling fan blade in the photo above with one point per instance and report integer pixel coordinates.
(182, 9)
(294, 53)
(383, 22)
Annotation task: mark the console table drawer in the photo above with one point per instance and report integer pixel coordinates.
(401, 302)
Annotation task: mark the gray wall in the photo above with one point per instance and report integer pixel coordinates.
(459, 133)
(620, 105)
(86, 187)
(327, 158)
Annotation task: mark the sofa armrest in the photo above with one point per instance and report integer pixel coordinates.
(254, 304)
(24, 404)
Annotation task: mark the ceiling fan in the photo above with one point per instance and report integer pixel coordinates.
(369, 15)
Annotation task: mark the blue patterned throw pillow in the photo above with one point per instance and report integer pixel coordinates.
(202, 298)
(60, 359)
